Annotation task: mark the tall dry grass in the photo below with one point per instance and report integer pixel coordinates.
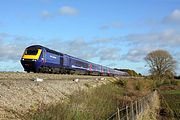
(96, 104)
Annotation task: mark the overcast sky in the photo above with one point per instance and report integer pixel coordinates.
(114, 33)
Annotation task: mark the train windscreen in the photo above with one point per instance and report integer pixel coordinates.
(31, 52)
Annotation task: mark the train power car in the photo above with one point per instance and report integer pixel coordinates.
(37, 58)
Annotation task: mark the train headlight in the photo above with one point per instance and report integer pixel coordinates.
(33, 60)
(23, 59)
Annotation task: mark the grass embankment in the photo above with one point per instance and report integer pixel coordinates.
(95, 104)
(170, 102)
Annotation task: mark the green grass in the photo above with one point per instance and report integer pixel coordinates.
(174, 92)
(172, 100)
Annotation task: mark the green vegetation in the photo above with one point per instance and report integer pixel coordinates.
(170, 100)
(95, 104)
(171, 92)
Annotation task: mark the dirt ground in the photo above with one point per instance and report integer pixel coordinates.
(19, 93)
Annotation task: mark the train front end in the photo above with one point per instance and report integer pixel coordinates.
(31, 59)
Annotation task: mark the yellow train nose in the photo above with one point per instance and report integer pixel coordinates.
(33, 57)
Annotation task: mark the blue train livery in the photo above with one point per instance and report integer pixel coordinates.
(37, 58)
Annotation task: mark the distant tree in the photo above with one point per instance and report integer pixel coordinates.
(161, 63)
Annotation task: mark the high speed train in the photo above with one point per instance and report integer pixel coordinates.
(41, 59)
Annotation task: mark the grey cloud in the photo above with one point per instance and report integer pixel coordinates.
(174, 17)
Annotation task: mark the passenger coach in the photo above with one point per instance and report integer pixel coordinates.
(37, 58)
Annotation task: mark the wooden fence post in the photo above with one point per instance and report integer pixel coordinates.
(118, 114)
(143, 103)
(136, 108)
(140, 109)
(127, 113)
(132, 111)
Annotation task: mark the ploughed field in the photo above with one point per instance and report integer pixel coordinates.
(19, 93)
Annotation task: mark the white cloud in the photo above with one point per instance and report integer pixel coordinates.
(46, 14)
(109, 54)
(169, 37)
(174, 17)
(76, 47)
(177, 58)
(12, 46)
(137, 54)
(9, 52)
(102, 40)
(67, 10)
(114, 25)
(87, 50)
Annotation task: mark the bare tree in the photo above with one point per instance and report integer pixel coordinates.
(160, 62)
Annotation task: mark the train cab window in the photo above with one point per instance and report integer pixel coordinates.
(31, 52)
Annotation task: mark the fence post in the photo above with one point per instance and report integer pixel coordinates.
(141, 105)
(136, 109)
(118, 114)
(127, 114)
(140, 110)
(132, 111)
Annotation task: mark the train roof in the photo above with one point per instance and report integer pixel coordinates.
(47, 49)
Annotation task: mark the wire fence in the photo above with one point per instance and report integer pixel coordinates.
(133, 110)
